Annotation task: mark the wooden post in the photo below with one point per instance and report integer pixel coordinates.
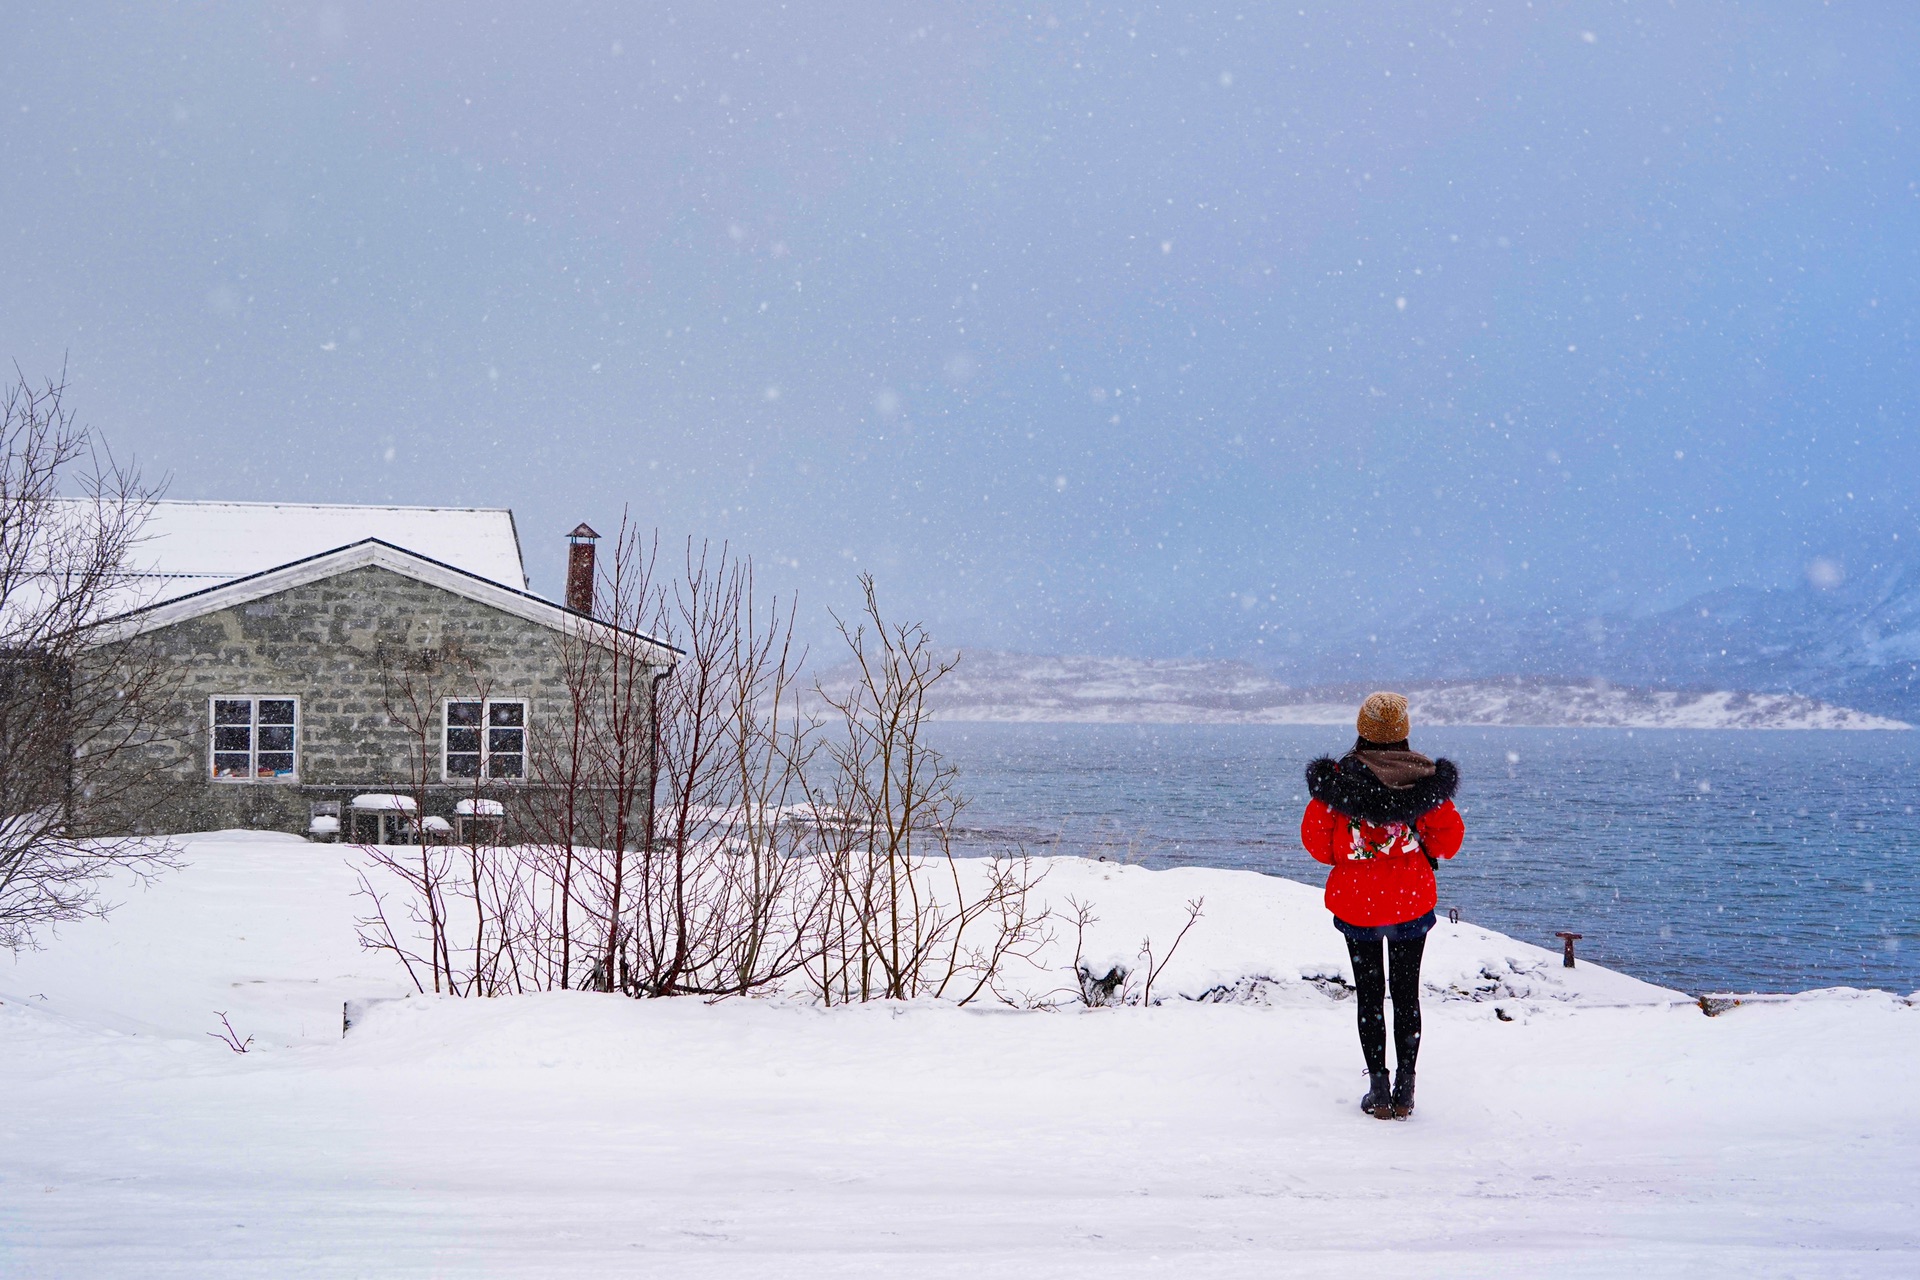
(1569, 939)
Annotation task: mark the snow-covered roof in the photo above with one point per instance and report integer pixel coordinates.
(188, 546)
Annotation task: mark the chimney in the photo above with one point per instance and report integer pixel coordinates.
(580, 569)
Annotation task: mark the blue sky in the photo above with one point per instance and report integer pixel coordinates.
(1154, 330)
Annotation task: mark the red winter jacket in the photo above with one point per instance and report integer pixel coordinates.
(1378, 838)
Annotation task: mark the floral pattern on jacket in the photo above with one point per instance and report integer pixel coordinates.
(1379, 839)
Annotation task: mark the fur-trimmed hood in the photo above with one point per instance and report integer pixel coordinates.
(1349, 787)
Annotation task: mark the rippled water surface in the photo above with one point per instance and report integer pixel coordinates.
(1735, 861)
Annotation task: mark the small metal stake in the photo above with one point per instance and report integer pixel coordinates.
(1570, 939)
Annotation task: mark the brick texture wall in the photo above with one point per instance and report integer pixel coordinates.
(344, 647)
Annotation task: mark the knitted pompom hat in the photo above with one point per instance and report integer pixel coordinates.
(1383, 718)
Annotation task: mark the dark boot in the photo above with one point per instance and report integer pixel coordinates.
(1379, 1100)
(1403, 1094)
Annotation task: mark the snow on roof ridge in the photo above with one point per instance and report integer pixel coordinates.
(331, 506)
(207, 539)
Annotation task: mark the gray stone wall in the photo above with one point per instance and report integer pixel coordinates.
(346, 647)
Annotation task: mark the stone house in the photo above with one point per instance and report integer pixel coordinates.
(313, 659)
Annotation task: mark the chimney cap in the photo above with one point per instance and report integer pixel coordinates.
(582, 532)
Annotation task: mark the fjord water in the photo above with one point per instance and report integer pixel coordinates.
(1708, 861)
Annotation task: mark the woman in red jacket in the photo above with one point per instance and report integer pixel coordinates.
(1383, 816)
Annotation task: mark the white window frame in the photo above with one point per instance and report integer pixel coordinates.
(486, 746)
(253, 737)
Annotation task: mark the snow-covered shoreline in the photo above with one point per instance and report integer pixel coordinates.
(1574, 1121)
(261, 925)
(1020, 688)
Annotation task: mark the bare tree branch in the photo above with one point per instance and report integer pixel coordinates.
(1146, 949)
(78, 707)
(903, 922)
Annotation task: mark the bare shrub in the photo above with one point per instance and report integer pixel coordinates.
(613, 683)
(78, 698)
(701, 835)
(661, 809)
(412, 682)
(469, 925)
(1091, 987)
(901, 920)
(667, 848)
(228, 1036)
(725, 894)
(1120, 985)
(478, 918)
(1155, 967)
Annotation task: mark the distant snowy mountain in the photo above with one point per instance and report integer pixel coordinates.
(989, 685)
(1855, 644)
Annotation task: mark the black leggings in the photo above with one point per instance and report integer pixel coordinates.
(1370, 981)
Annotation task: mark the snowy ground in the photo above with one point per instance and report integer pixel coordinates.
(1607, 1127)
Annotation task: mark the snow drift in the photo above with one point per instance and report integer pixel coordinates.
(1570, 1121)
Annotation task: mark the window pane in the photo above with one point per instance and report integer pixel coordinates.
(275, 737)
(463, 765)
(463, 713)
(499, 740)
(276, 711)
(507, 713)
(232, 738)
(275, 764)
(230, 766)
(233, 711)
(504, 766)
(463, 740)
